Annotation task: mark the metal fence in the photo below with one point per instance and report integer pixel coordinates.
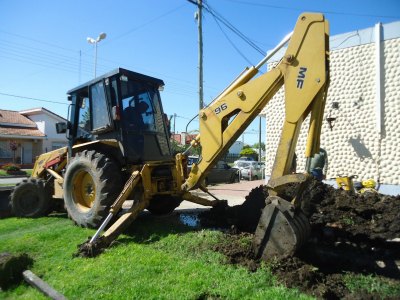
(231, 157)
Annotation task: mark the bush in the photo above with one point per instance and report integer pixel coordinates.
(11, 167)
(249, 152)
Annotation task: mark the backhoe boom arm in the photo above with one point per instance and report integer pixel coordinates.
(303, 71)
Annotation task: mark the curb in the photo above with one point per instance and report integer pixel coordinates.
(6, 188)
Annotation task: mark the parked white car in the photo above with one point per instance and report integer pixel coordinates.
(252, 170)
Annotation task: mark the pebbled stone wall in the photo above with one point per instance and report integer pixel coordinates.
(354, 145)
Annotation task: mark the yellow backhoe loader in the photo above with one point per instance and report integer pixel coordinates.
(119, 146)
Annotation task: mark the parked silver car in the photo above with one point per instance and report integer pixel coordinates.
(252, 170)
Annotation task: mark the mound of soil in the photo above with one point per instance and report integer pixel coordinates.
(350, 233)
(11, 268)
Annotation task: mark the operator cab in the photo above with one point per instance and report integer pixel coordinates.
(125, 106)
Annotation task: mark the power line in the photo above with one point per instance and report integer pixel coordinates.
(302, 9)
(234, 29)
(30, 98)
(229, 25)
(143, 25)
(37, 41)
(230, 41)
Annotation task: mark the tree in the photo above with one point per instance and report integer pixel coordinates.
(256, 146)
(249, 152)
(178, 148)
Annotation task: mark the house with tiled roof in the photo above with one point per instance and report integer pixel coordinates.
(26, 134)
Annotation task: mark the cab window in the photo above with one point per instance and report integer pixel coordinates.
(100, 119)
(137, 106)
(84, 118)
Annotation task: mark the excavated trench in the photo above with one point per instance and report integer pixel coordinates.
(350, 234)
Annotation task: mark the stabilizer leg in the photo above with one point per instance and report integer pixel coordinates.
(97, 243)
(93, 248)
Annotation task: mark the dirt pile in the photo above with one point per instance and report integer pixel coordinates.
(11, 268)
(350, 234)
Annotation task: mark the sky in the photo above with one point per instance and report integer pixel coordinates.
(44, 51)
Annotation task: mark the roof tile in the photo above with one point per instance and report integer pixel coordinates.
(9, 130)
(14, 117)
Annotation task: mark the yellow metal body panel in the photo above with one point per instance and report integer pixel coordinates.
(58, 188)
(44, 159)
(345, 182)
(111, 142)
(304, 73)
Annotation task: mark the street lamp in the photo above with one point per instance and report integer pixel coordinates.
(90, 40)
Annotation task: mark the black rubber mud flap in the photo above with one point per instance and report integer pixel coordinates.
(281, 230)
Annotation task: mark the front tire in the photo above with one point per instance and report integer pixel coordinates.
(31, 198)
(92, 183)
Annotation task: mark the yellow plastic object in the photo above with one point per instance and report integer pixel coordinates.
(345, 183)
(369, 183)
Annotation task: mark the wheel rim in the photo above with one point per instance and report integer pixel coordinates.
(84, 190)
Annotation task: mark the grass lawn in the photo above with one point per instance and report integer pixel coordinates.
(156, 259)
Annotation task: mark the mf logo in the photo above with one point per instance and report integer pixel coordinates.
(300, 77)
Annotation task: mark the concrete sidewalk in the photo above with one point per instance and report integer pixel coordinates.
(234, 193)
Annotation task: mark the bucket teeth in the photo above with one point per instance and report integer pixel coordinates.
(281, 230)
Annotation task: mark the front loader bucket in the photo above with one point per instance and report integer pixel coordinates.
(281, 230)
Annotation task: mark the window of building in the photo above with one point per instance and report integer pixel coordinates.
(5, 151)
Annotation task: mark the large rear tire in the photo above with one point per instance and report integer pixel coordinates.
(92, 183)
(31, 198)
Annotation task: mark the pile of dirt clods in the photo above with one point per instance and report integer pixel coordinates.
(350, 234)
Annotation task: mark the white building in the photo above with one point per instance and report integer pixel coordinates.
(46, 123)
(26, 134)
(236, 148)
(365, 83)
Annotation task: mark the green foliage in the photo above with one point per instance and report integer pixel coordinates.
(178, 148)
(156, 258)
(249, 152)
(11, 167)
(256, 146)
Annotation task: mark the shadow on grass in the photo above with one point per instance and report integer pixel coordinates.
(58, 215)
(149, 228)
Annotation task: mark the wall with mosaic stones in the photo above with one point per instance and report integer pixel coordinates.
(354, 144)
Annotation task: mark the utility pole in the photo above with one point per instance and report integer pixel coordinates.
(174, 122)
(200, 30)
(259, 140)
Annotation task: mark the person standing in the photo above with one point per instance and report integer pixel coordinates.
(319, 164)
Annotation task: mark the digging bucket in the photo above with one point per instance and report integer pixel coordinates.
(281, 230)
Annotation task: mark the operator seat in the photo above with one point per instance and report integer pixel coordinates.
(133, 116)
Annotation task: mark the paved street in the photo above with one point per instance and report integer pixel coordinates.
(11, 181)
